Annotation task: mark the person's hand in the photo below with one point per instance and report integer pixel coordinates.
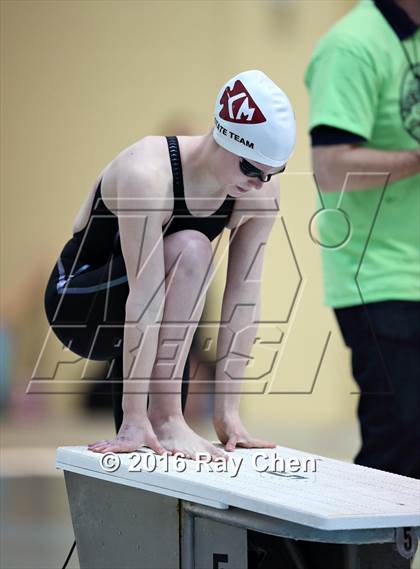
(233, 434)
(131, 436)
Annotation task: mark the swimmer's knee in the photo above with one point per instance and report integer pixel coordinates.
(190, 247)
(197, 245)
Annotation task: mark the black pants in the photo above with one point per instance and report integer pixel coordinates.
(85, 306)
(384, 338)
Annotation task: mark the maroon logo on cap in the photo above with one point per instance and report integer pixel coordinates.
(239, 106)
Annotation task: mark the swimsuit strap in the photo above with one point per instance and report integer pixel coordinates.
(178, 180)
(180, 207)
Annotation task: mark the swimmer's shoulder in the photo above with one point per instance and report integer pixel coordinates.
(264, 203)
(142, 171)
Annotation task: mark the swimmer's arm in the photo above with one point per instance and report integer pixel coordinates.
(371, 167)
(142, 247)
(240, 312)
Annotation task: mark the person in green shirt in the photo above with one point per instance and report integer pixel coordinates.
(364, 85)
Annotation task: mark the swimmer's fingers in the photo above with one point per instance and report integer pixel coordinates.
(232, 442)
(242, 441)
(255, 443)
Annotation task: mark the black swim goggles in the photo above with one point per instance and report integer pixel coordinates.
(252, 172)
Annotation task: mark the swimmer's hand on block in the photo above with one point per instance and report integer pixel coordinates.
(232, 434)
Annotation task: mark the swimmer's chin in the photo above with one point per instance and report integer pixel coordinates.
(235, 191)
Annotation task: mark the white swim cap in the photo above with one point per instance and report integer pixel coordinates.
(254, 119)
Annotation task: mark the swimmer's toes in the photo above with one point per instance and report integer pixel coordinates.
(97, 444)
(99, 448)
(158, 448)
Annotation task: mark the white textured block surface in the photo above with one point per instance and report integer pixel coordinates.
(337, 496)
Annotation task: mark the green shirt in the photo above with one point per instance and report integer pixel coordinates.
(360, 80)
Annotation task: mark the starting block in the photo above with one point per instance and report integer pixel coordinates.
(143, 511)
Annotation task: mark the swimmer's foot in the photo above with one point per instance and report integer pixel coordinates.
(131, 437)
(175, 435)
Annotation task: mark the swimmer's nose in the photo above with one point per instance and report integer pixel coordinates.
(256, 184)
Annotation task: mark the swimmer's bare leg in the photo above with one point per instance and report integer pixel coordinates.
(189, 254)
